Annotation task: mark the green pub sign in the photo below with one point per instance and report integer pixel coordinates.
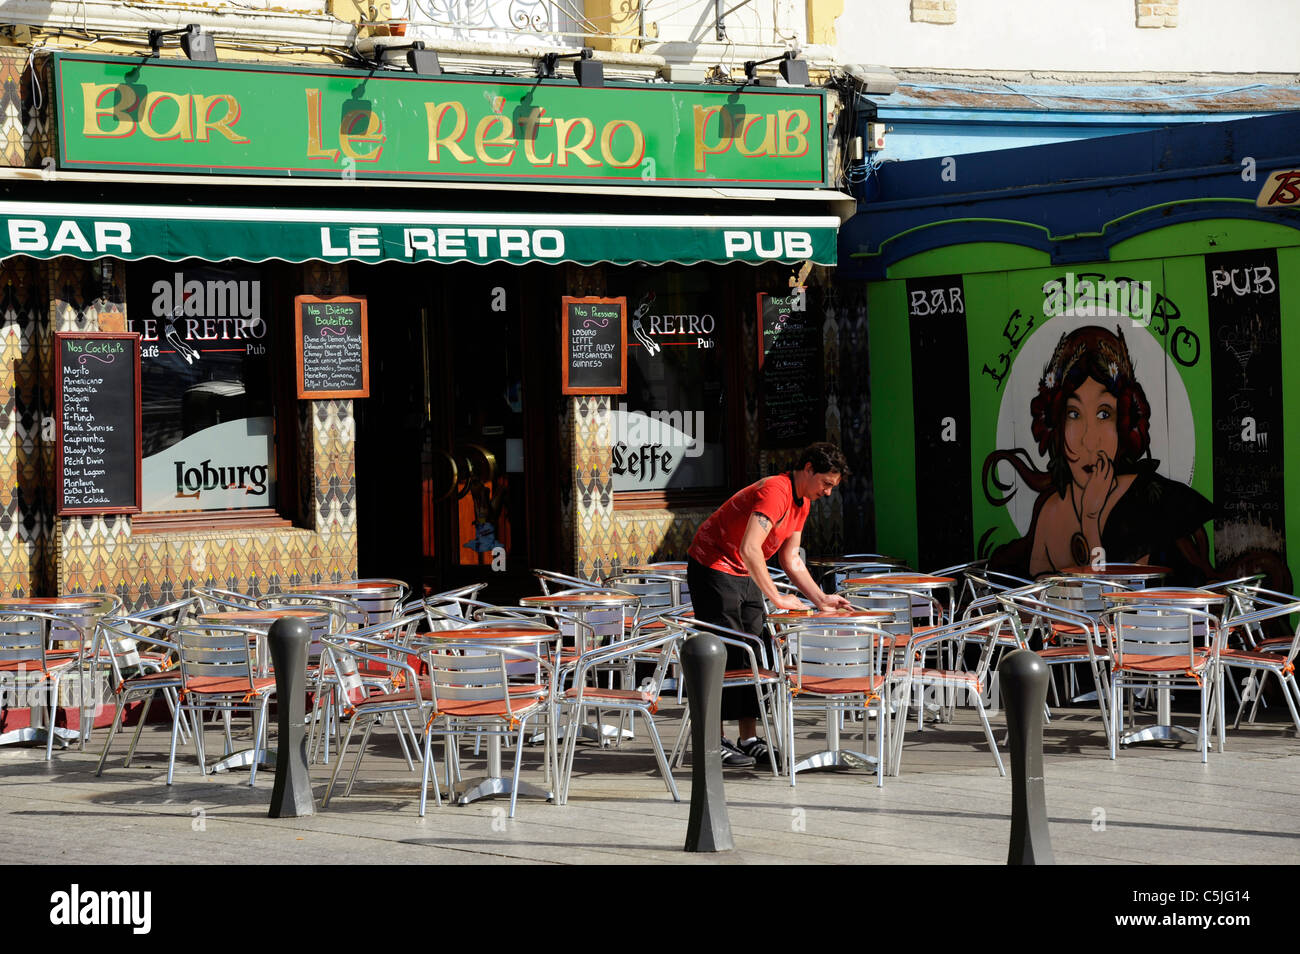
(127, 113)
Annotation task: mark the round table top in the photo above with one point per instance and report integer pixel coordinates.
(666, 568)
(1119, 571)
(800, 617)
(501, 631)
(47, 604)
(913, 580)
(589, 598)
(261, 615)
(356, 586)
(1191, 597)
(834, 562)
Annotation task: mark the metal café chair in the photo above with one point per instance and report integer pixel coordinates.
(219, 674)
(1252, 608)
(406, 693)
(912, 676)
(840, 666)
(642, 699)
(1154, 647)
(33, 669)
(142, 662)
(471, 693)
(1080, 639)
(761, 673)
(215, 600)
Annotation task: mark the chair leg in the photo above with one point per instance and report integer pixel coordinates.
(661, 759)
(49, 722)
(361, 754)
(988, 733)
(112, 730)
(259, 744)
(1116, 708)
(519, 760)
(171, 757)
(338, 764)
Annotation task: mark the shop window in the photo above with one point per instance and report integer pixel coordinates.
(667, 435)
(208, 399)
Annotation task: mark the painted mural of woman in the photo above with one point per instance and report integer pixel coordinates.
(1091, 419)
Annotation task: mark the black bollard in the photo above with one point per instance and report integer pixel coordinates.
(1024, 693)
(704, 660)
(291, 797)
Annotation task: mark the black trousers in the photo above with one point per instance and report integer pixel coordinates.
(737, 603)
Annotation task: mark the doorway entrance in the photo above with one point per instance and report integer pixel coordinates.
(458, 443)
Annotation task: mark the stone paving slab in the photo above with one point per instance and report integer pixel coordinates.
(1153, 805)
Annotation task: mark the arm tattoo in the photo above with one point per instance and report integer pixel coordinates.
(763, 521)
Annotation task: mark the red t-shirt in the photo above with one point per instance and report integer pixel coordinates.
(717, 542)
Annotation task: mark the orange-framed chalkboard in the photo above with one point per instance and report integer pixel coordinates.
(595, 345)
(333, 346)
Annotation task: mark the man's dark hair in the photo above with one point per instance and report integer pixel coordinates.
(824, 456)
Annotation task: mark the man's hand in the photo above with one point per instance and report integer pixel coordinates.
(834, 602)
(786, 602)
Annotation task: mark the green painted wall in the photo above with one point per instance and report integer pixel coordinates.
(1011, 339)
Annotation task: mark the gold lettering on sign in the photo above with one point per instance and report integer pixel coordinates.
(436, 112)
(93, 95)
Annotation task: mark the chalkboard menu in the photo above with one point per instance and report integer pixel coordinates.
(790, 369)
(333, 346)
(97, 420)
(595, 345)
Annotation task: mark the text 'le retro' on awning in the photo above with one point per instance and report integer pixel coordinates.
(216, 233)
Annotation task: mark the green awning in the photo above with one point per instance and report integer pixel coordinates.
(90, 230)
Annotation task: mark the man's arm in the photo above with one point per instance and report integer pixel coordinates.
(751, 553)
(794, 568)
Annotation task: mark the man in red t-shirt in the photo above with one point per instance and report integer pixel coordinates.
(728, 578)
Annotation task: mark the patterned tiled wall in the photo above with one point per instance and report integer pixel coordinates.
(102, 553)
(25, 501)
(24, 129)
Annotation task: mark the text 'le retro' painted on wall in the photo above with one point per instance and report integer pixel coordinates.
(157, 115)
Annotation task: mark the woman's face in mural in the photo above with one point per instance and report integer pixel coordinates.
(1090, 436)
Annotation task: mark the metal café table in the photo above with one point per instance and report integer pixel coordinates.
(373, 596)
(78, 609)
(584, 605)
(832, 756)
(909, 581)
(838, 567)
(261, 620)
(1127, 574)
(507, 633)
(1164, 730)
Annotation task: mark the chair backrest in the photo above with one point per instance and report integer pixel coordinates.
(24, 637)
(552, 582)
(339, 614)
(217, 652)
(472, 674)
(1078, 595)
(657, 592)
(214, 600)
(898, 603)
(1147, 630)
(838, 651)
(379, 599)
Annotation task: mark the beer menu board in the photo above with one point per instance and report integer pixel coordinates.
(790, 369)
(333, 346)
(97, 421)
(595, 345)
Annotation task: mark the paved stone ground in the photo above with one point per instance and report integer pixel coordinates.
(1155, 804)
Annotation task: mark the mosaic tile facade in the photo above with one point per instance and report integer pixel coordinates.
(25, 502)
(101, 553)
(24, 128)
